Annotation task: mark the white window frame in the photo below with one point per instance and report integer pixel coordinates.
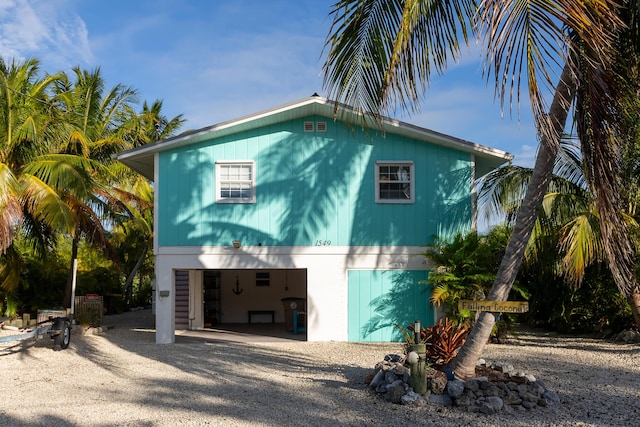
(385, 176)
(223, 182)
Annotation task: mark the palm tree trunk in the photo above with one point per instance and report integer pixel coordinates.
(634, 302)
(550, 129)
(128, 284)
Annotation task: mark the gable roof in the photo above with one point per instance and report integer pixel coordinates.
(141, 158)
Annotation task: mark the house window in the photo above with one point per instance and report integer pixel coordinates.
(262, 278)
(394, 182)
(235, 182)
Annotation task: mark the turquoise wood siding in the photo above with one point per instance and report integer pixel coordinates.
(379, 299)
(311, 188)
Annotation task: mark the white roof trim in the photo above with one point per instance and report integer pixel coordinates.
(314, 105)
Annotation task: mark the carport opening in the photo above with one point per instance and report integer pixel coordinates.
(267, 302)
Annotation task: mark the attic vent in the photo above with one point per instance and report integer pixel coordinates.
(308, 126)
(321, 126)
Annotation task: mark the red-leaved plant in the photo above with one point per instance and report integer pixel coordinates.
(443, 340)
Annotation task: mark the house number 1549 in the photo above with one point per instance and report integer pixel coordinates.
(323, 242)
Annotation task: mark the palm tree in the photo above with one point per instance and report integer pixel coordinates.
(134, 236)
(98, 124)
(382, 53)
(570, 217)
(28, 204)
(89, 131)
(57, 175)
(135, 191)
(135, 233)
(150, 125)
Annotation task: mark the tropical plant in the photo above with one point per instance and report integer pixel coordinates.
(29, 204)
(91, 120)
(442, 340)
(150, 125)
(566, 240)
(134, 235)
(57, 174)
(464, 268)
(382, 53)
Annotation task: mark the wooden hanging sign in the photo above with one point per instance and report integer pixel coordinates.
(494, 306)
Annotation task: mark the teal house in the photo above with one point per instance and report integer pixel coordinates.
(301, 213)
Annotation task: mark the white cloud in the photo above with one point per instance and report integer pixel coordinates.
(526, 157)
(20, 29)
(247, 73)
(45, 30)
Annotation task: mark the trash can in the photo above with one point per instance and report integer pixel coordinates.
(290, 304)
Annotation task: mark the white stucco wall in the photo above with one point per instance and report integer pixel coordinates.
(326, 268)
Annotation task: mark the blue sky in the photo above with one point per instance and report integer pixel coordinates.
(214, 61)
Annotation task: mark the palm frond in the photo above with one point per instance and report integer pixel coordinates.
(501, 191)
(11, 267)
(10, 209)
(58, 173)
(382, 51)
(582, 246)
(44, 203)
(530, 37)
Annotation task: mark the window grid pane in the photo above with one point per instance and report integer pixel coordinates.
(395, 191)
(235, 173)
(394, 182)
(236, 181)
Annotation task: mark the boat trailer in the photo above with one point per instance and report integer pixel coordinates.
(58, 328)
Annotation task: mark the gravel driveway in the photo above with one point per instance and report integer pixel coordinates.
(122, 378)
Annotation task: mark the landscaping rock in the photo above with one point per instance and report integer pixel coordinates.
(499, 388)
(455, 388)
(441, 400)
(436, 381)
(414, 399)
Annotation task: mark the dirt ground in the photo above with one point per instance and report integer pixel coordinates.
(120, 377)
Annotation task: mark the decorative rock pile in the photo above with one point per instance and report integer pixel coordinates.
(500, 388)
(628, 336)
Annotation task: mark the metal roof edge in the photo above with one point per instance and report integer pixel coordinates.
(449, 140)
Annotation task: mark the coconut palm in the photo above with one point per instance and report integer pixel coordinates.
(23, 100)
(28, 203)
(150, 125)
(570, 218)
(135, 234)
(98, 124)
(381, 53)
(89, 129)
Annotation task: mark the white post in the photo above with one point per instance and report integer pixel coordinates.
(73, 287)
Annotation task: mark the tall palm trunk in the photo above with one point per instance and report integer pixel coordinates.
(605, 182)
(128, 284)
(464, 364)
(634, 301)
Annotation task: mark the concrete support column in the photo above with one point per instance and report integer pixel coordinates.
(165, 303)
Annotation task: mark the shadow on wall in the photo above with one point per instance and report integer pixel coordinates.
(404, 302)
